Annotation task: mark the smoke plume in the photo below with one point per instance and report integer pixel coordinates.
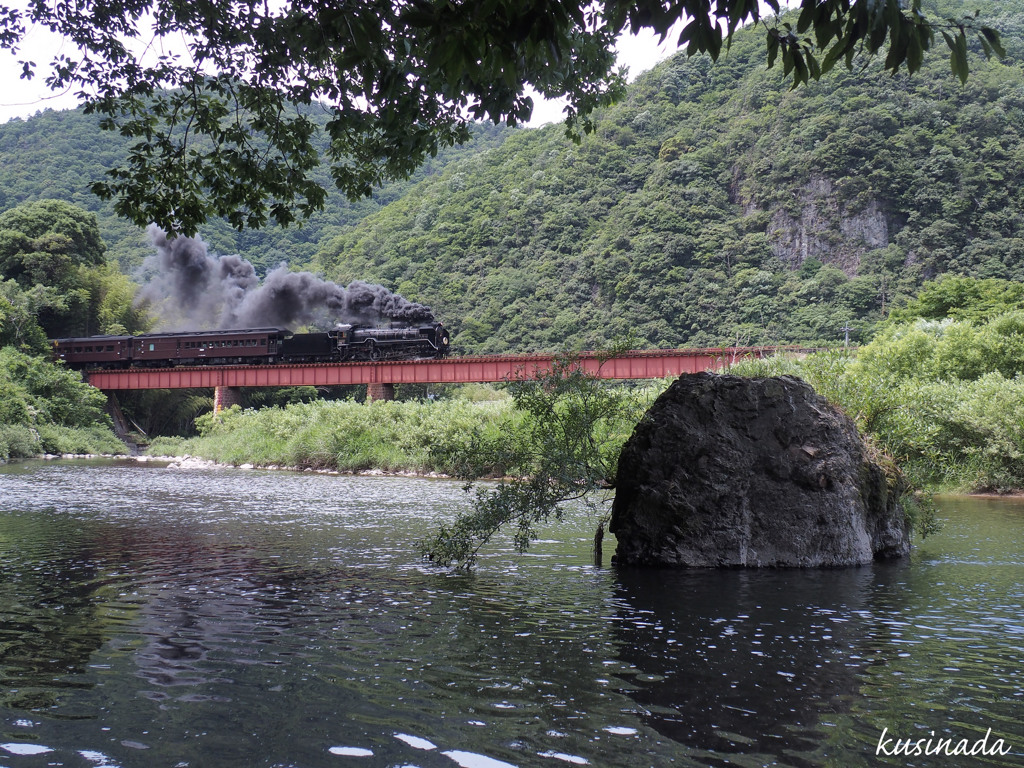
(192, 290)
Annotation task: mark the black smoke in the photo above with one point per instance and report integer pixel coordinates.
(191, 290)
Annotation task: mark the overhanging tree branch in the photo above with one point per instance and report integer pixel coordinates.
(565, 449)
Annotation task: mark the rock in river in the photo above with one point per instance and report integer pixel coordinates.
(736, 472)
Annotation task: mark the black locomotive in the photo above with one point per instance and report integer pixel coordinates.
(257, 346)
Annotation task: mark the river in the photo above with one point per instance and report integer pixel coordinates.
(152, 616)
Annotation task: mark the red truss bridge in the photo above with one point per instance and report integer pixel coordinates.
(381, 376)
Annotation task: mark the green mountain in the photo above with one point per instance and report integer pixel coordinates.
(717, 206)
(713, 206)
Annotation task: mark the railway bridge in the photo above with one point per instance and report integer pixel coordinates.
(381, 377)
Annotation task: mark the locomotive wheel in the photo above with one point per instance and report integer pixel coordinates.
(374, 351)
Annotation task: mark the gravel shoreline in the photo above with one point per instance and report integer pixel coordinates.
(194, 462)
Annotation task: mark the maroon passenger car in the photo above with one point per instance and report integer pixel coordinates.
(154, 350)
(94, 351)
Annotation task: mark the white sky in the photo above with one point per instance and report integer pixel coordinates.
(21, 98)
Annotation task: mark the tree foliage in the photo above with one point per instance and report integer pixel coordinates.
(962, 298)
(54, 279)
(211, 125)
(47, 409)
(20, 311)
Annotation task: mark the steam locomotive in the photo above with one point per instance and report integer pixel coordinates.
(257, 346)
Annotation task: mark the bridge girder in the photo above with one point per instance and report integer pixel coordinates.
(645, 364)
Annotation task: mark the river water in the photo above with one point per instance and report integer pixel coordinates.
(152, 616)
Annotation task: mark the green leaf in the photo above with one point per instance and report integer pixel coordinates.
(992, 37)
(773, 48)
(958, 57)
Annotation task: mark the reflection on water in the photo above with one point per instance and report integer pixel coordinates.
(151, 616)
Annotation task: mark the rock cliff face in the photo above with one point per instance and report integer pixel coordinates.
(728, 471)
(827, 229)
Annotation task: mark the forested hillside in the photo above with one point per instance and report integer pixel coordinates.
(56, 155)
(717, 206)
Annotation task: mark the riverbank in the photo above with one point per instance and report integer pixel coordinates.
(187, 461)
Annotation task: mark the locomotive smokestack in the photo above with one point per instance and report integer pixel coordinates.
(192, 289)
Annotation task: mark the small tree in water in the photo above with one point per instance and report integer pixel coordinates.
(564, 447)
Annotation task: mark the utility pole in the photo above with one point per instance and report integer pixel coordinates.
(846, 335)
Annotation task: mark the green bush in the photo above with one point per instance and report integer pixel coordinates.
(944, 398)
(45, 408)
(18, 441)
(55, 438)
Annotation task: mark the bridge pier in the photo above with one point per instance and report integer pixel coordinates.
(380, 392)
(225, 397)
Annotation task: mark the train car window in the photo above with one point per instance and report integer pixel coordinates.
(152, 347)
(78, 349)
(110, 347)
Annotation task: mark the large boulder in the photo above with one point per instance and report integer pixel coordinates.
(736, 472)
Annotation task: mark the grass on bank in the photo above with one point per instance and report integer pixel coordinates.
(343, 435)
